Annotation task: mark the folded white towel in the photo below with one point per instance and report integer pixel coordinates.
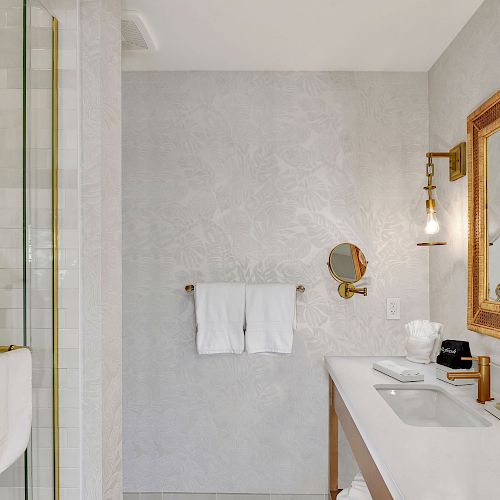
(270, 318)
(357, 491)
(422, 341)
(220, 315)
(399, 369)
(18, 383)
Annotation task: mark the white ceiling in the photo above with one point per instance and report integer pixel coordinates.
(307, 35)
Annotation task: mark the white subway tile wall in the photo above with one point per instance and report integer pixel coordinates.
(69, 387)
(11, 201)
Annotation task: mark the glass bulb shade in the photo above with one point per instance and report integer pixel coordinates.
(432, 226)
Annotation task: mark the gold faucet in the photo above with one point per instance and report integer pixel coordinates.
(483, 377)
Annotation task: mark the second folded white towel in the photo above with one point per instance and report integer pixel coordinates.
(220, 314)
(270, 318)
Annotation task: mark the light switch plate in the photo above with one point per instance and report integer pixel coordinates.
(393, 308)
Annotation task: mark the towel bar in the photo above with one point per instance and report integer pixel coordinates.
(190, 288)
(12, 347)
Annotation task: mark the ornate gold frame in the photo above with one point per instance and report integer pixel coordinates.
(483, 315)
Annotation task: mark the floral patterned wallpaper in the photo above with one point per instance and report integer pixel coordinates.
(254, 177)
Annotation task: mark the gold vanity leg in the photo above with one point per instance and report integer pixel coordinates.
(333, 447)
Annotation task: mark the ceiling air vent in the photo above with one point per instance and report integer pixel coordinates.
(135, 36)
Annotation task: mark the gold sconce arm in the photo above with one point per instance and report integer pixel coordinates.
(458, 161)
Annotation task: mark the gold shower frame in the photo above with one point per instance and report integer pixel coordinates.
(55, 250)
(483, 315)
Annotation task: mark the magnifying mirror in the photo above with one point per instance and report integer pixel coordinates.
(347, 265)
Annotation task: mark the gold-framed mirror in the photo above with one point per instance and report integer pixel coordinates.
(347, 265)
(483, 140)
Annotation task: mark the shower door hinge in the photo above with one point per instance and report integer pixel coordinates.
(30, 247)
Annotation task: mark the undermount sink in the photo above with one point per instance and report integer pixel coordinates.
(429, 406)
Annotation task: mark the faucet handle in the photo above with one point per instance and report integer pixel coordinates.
(471, 358)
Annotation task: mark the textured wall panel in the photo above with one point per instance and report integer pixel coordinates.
(254, 177)
(101, 249)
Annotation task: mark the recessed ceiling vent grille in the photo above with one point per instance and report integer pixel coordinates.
(135, 36)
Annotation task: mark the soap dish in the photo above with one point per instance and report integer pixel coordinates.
(493, 407)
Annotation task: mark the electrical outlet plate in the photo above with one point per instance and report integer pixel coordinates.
(393, 308)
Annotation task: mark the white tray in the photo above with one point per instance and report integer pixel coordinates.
(397, 376)
(490, 406)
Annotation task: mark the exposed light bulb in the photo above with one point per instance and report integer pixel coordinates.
(432, 226)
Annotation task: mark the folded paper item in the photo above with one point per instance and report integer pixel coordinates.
(422, 341)
(397, 371)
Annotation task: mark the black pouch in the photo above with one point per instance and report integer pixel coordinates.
(451, 353)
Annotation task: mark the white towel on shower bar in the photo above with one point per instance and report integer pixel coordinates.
(17, 365)
(4, 395)
(220, 314)
(270, 318)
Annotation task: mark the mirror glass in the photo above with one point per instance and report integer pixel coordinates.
(493, 197)
(347, 263)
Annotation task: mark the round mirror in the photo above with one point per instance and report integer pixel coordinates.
(347, 263)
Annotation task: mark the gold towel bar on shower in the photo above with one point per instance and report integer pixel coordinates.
(190, 288)
(12, 347)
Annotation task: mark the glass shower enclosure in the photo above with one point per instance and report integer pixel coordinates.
(28, 230)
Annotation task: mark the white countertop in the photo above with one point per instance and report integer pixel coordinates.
(420, 463)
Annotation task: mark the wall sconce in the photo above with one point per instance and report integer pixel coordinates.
(457, 167)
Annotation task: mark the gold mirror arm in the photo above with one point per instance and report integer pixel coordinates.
(362, 291)
(348, 290)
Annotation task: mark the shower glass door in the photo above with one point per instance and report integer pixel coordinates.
(28, 226)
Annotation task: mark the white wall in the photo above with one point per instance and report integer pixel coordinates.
(464, 76)
(255, 177)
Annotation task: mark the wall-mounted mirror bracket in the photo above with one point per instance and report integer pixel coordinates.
(347, 290)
